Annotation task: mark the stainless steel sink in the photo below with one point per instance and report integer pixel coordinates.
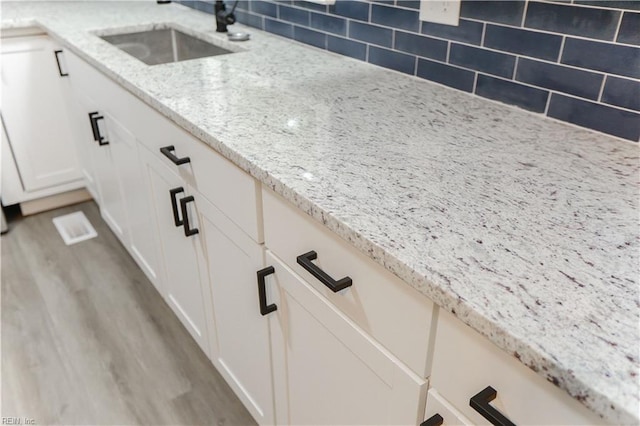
(164, 45)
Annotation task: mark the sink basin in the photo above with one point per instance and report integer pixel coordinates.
(161, 46)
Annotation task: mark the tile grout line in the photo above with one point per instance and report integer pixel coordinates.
(615, 36)
(484, 31)
(564, 38)
(448, 52)
(515, 68)
(524, 13)
(604, 79)
(546, 107)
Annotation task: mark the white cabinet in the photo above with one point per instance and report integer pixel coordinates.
(375, 296)
(183, 250)
(466, 364)
(79, 108)
(111, 140)
(35, 115)
(111, 166)
(240, 339)
(294, 350)
(326, 370)
(225, 207)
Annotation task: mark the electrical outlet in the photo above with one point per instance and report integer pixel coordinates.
(440, 11)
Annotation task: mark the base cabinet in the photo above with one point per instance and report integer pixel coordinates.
(110, 164)
(296, 343)
(471, 374)
(36, 119)
(182, 247)
(240, 346)
(326, 370)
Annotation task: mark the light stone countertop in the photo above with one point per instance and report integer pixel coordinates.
(526, 228)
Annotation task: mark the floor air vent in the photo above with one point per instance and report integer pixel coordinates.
(74, 227)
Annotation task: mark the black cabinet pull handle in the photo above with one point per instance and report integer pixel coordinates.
(304, 260)
(56, 53)
(94, 127)
(480, 403)
(188, 231)
(94, 117)
(262, 291)
(174, 205)
(435, 420)
(167, 151)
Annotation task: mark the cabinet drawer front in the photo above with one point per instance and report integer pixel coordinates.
(328, 371)
(385, 307)
(465, 363)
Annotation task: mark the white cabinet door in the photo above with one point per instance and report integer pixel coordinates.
(327, 371)
(141, 233)
(112, 208)
(182, 255)
(240, 340)
(79, 107)
(35, 114)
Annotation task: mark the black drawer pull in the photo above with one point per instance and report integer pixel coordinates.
(174, 205)
(262, 291)
(56, 53)
(167, 151)
(94, 117)
(94, 127)
(435, 420)
(304, 260)
(188, 231)
(480, 403)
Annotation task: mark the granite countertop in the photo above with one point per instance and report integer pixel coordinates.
(526, 228)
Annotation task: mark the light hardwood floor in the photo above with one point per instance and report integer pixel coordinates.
(86, 339)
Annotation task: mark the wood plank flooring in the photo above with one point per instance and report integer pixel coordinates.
(86, 339)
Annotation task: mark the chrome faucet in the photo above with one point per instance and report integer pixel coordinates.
(222, 17)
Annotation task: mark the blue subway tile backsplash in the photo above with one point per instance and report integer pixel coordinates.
(351, 9)
(330, 24)
(347, 47)
(393, 60)
(622, 92)
(264, 8)
(311, 37)
(630, 29)
(403, 19)
(606, 57)
(466, 31)
(615, 4)
(293, 14)
(309, 5)
(568, 19)
(487, 61)
(559, 78)
(421, 46)
(448, 75)
(373, 34)
(526, 97)
(523, 42)
(614, 121)
(277, 27)
(573, 60)
(502, 12)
